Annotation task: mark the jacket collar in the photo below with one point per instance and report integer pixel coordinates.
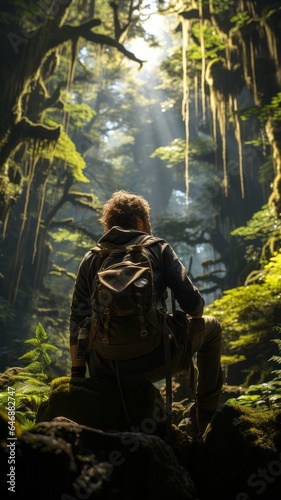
(120, 236)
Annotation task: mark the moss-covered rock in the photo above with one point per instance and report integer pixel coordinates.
(238, 458)
(240, 455)
(97, 402)
(66, 461)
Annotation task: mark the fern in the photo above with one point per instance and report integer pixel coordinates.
(30, 386)
(263, 396)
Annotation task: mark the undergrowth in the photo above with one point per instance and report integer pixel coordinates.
(30, 385)
(266, 396)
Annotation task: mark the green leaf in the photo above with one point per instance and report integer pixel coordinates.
(36, 366)
(248, 398)
(31, 355)
(40, 332)
(49, 347)
(46, 358)
(259, 389)
(232, 401)
(32, 342)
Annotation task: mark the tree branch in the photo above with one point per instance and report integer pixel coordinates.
(72, 32)
(54, 100)
(72, 197)
(23, 130)
(76, 199)
(70, 224)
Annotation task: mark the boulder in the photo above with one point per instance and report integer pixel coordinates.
(90, 441)
(99, 403)
(239, 457)
(62, 460)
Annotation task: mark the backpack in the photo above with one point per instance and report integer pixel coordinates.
(125, 321)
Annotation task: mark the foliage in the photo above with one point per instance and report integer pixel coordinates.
(261, 225)
(273, 110)
(266, 396)
(220, 6)
(212, 43)
(247, 314)
(240, 19)
(9, 190)
(38, 357)
(80, 113)
(173, 154)
(30, 384)
(65, 152)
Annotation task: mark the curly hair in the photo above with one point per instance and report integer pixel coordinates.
(125, 210)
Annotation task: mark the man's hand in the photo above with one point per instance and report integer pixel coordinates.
(78, 365)
(78, 371)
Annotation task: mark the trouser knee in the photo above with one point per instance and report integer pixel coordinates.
(213, 325)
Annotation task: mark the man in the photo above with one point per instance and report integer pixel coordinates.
(125, 216)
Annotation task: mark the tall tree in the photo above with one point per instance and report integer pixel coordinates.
(41, 153)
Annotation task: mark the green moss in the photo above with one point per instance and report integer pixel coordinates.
(261, 429)
(96, 402)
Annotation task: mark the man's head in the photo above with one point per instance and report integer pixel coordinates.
(126, 210)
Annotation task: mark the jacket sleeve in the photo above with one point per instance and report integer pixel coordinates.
(80, 307)
(175, 276)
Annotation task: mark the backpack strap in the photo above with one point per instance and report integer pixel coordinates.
(136, 244)
(167, 337)
(106, 247)
(149, 240)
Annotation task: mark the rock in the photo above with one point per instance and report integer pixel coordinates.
(239, 457)
(83, 447)
(8, 377)
(62, 460)
(98, 403)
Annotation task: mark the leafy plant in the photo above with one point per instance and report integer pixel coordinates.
(247, 314)
(30, 385)
(272, 110)
(261, 225)
(265, 396)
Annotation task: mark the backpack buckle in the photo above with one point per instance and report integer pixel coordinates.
(144, 333)
(106, 311)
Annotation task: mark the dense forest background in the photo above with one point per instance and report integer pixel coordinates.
(179, 101)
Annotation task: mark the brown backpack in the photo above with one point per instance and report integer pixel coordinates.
(126, 322)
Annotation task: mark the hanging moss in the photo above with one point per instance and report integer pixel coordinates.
(245, 54)
(66, 152)
(185, 102)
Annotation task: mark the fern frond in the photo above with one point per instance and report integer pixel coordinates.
(35, 368)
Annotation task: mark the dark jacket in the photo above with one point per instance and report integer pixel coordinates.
(168, 272)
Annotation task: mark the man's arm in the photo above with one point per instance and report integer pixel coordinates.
(80, 315)
(175, 275)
